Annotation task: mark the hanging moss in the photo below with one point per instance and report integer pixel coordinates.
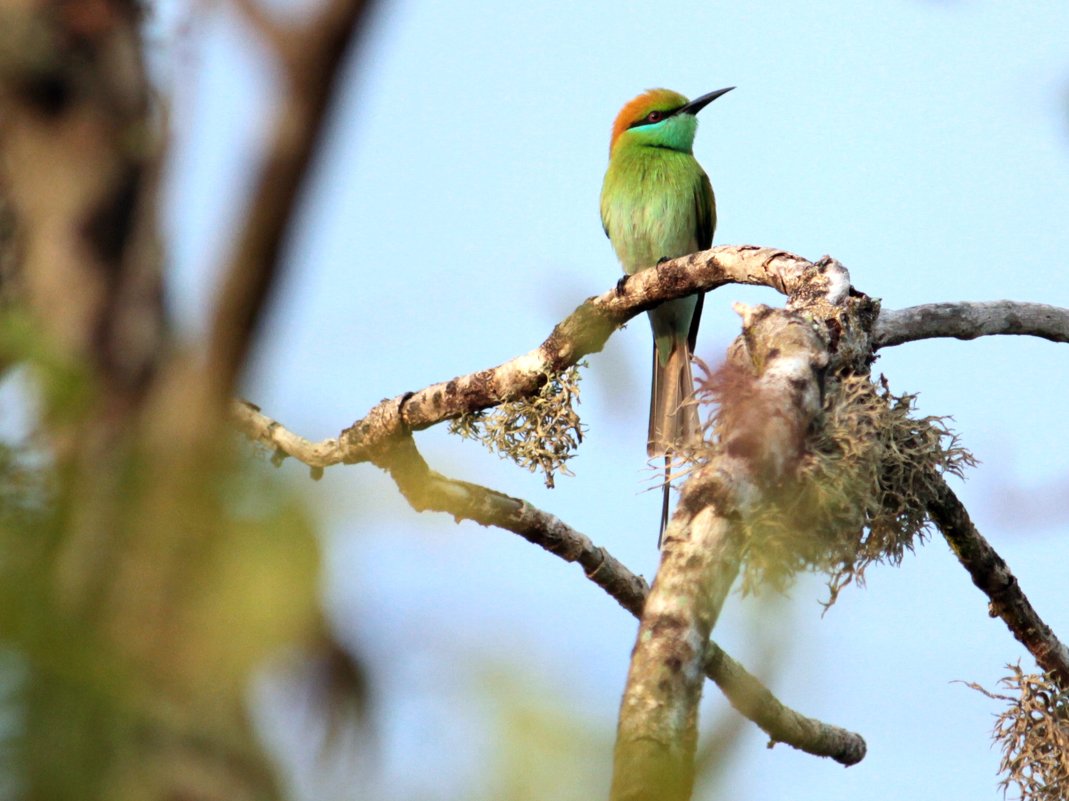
(1033, 733)
(859, 492)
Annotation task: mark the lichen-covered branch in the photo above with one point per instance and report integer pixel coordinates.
(992, 575)
(583, 332)
(971, 320)
(258, 427)
(824, 334)
(426, 489)
(702, 550)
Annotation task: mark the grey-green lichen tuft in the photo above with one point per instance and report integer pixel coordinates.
(540, 433)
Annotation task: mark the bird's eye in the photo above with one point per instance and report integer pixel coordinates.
(655, 116)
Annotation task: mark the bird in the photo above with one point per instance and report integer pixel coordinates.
(657, 203)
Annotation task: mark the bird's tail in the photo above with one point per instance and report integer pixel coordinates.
(674, 424)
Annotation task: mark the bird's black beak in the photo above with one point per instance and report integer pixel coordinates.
(698, 103)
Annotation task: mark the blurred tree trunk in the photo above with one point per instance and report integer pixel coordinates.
(137, 599)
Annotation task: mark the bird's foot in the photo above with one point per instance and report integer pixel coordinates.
(621, 284)
(662, 260)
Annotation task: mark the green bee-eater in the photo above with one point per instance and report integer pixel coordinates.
(656, 204)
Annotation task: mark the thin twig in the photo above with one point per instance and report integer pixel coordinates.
(992, 575)
(971, 320)
(782, 724)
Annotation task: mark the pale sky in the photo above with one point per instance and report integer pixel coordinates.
(454, 220)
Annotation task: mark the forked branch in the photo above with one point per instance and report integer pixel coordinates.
(825, 327)
(427, 490)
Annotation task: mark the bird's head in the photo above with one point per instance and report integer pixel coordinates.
(660, 118)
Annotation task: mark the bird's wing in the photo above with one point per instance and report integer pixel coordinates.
(705, 224)
(695, 320)
(704, 212)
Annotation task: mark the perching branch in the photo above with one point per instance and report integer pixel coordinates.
(586, 330)
(583, 332)
(426, 489)
(992, 575)
(971, 320)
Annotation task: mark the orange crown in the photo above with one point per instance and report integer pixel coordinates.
(634, 110)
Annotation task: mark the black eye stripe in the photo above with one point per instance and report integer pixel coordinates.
(650, 119)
